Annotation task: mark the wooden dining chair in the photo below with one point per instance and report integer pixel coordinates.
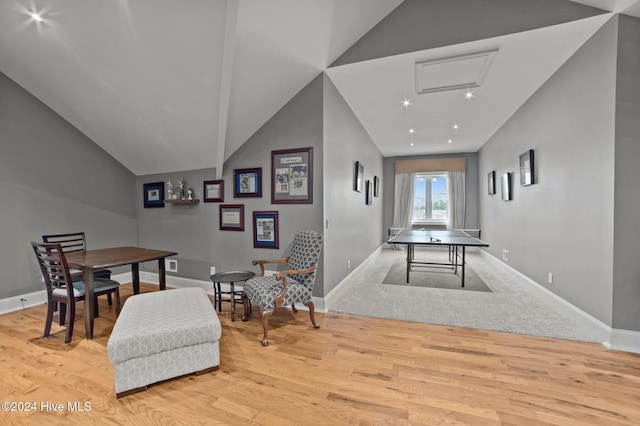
(62, 290)
(72, 242)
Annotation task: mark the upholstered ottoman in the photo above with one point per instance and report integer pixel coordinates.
(162, 335)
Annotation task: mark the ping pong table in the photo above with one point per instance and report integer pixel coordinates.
(452, 239)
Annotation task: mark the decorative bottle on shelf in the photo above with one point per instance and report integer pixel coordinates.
(182, 195)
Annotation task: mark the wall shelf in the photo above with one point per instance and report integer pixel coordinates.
(182, 201)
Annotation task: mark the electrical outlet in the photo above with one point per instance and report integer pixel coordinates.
(505, 255)
(550, 279)
(213, 270)
(348, 264)
(172, 265)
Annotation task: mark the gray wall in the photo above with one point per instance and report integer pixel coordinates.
(354, 229)
(53, 179)
(562, 224)
(472, 206)
(193, 230)
(626, 277)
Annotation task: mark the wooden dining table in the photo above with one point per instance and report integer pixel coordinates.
(90, 260)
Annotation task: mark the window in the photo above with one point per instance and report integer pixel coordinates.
(431, 199)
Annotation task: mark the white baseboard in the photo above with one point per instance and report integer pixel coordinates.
(323, 304)
(623, 340)
(15, 303)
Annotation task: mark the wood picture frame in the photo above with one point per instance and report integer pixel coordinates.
(265, 230)
(232, 217)
(153, 194)
(213, 191)
(247, 183)
(292, 176)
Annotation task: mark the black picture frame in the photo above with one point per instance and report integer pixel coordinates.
(265, 229)
(247, 183)
(505, 186)
(292, 176)
(491, 182)
(376, 186)
(368, 199)
(527, 175)
(358, 181)
(153, 194)
(213, 191)
(232, 217)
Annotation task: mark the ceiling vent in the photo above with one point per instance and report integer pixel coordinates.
(453, 73)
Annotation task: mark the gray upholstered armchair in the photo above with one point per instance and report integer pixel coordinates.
(288, 287)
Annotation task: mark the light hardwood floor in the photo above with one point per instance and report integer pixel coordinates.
(352, 370)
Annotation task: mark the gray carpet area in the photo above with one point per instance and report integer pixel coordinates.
(508, 307)
(422, 276)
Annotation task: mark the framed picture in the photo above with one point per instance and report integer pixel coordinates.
(526, 168)
(232, 217)
(213, 191)
(491, 182)
(368, 199)
(247, 182)
(292, 176)
(505, 186)
(376, 186)
(265, 230)
(358, 181)
(153, 194)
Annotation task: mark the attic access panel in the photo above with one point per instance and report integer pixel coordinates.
(452, 73)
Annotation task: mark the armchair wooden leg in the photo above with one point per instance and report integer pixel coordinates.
(245, 303)
(265, 314)
(312, 310)
(293, 308)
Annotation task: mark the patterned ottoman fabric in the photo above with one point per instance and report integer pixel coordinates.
(178, 327)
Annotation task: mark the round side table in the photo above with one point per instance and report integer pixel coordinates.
(230, 277)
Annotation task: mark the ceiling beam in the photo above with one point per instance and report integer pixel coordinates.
(225, 81)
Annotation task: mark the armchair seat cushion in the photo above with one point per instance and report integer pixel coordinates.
(263, 291)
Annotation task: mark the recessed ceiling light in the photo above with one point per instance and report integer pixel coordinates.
(411, 143)
(412, 130)
(36, 16)
(450, 141)
(456, 126)
(468, 94)
(406, 103)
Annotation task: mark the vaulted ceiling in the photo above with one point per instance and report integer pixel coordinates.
(178, 85)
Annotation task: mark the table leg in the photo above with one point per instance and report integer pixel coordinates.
(162, 273)
(463, 261)
(88, 301)
(455, 260)
(409, 259)
(233, 303)
(135, 277)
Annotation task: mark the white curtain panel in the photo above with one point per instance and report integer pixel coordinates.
(457, 196)
(403, 201)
